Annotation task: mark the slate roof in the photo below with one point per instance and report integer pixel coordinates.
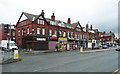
(35, 17)
(30, 16)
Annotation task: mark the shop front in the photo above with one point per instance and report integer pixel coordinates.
(71, 45)
(64, 42)
(35, 42)
(52, 43)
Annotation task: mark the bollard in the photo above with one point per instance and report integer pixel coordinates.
(16, 56)
(81, 49)
(30, 50)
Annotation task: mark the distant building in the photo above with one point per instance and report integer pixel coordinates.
(107, 38)
(5, 36)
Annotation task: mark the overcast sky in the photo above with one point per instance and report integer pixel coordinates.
(102, 14)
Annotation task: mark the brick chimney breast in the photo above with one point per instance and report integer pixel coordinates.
(69, 21)
(91, 27)
(42, 13)
(53, 17)
(110, 31)
(87, 26)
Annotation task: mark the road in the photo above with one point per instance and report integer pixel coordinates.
(66, 61)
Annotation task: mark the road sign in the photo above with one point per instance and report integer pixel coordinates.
(93, 41)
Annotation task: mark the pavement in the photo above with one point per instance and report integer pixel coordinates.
(99, 50)
(86, 51)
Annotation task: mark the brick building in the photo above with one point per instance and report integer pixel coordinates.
(36, 31)
(107, 38)
(5, 36)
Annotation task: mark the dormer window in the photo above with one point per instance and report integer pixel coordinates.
(40, 21)
(53, 23)
(23, 23)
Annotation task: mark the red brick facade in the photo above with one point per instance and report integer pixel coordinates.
(107, 37)
(4, 36)
(35, 23)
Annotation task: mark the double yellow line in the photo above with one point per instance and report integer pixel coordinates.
(116, 71)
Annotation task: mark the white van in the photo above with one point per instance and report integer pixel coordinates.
(12, 45)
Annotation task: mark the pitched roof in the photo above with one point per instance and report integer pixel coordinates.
(33, 18)
(109, 34)
(30, 16)
(74, 25)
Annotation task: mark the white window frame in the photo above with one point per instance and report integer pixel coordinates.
(43, 31)
(68, 34)
(64, 33)
(19, 32)
(50, 32)
(22, 31)
(38, 30)
(71, 34)
(40, 21)
(60, 33)
(55, 32)
(28, 31)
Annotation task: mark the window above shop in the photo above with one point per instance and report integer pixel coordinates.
(38, 30)
(50, 32)
(18, 32)
(43, 31)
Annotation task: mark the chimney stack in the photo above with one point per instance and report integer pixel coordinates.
(53, 17)
(87, 26)
(68, 21)
(104, 32)
(91, 27)
(42, 13)
(110, 31)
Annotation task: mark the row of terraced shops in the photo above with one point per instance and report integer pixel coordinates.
(39, 33)
(36, 42)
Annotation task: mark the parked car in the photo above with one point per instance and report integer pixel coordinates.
(104, 46)
(118, 49)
